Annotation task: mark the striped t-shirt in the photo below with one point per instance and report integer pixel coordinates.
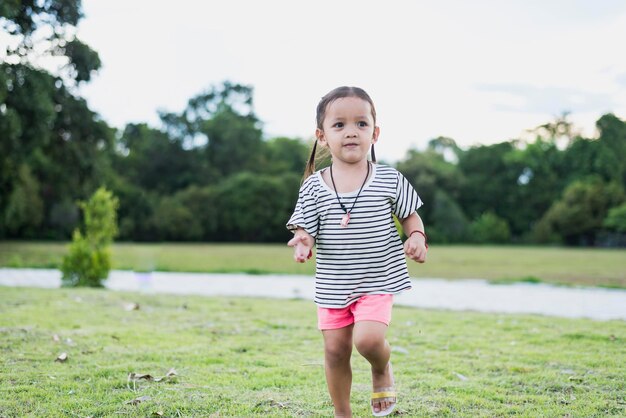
(367, 257)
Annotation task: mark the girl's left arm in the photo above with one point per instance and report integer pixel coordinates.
(415, 246)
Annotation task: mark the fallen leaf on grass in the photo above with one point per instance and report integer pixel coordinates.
(134, 377)
(170, 374)
(138, 376)
(62, 357)
(138, 400)
(158, 414)
(56, 338)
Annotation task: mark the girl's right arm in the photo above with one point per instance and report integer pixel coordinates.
(303, 243)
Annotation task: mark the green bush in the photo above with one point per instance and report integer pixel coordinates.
(489, 228)
(579, 214)
(616, 219)
(89, 260)
(254, 208)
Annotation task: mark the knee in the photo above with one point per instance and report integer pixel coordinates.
(370, 345)
(338, 351)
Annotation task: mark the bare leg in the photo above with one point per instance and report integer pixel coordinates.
(337, 352)
(369, 339)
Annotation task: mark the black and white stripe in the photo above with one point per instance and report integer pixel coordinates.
(366, 257)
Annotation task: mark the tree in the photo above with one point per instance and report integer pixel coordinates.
(43, 125)
(578, 215)
(24, 210)
(203, 203)
(234, 142)
(153, 161)
(89, 259)
(135, 210)
(491, 179)
(255, 208)
(222, 123)
(560, 132)
(446, 147)
(613, 136)
(284, 155)
(541, 178)
(449, 223)
(46, 28)
(616, 219)
(587, 157)
(175, 222)
(428, 172)
(489, 228)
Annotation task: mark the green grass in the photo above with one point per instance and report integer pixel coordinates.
(572, 266)
(238, 357)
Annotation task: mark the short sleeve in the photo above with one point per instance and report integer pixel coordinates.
(305, 213)
(406, 201)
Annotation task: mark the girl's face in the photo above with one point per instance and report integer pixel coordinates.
(348, 130)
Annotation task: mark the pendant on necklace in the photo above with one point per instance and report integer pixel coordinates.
(345, 220)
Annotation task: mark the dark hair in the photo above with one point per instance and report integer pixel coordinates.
(330, 97)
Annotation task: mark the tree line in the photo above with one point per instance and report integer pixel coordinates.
(209, 174)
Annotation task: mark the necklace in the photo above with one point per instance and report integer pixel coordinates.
(346, 218)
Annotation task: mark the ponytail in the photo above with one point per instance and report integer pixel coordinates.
(310, 165)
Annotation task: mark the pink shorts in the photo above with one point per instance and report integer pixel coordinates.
(366, 308)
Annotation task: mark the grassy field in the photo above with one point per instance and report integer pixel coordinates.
(236, 357)
(595, 267)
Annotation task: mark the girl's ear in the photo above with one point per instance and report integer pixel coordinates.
(321, 139)
(376, 133)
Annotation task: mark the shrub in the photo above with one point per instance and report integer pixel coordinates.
(489, 228)
(89, 261)
(579, 214)
(616, 219)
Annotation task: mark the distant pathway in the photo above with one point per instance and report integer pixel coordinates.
(468, 294)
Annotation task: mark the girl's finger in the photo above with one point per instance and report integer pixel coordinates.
(294, 241)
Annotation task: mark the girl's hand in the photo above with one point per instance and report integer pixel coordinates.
(415, 248)
(303, 244)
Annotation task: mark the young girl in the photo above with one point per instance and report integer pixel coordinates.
(346, 210)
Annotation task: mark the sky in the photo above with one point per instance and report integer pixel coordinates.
(479, 72)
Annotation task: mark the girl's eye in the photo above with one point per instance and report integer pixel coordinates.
(338, 125)
(362, 124)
